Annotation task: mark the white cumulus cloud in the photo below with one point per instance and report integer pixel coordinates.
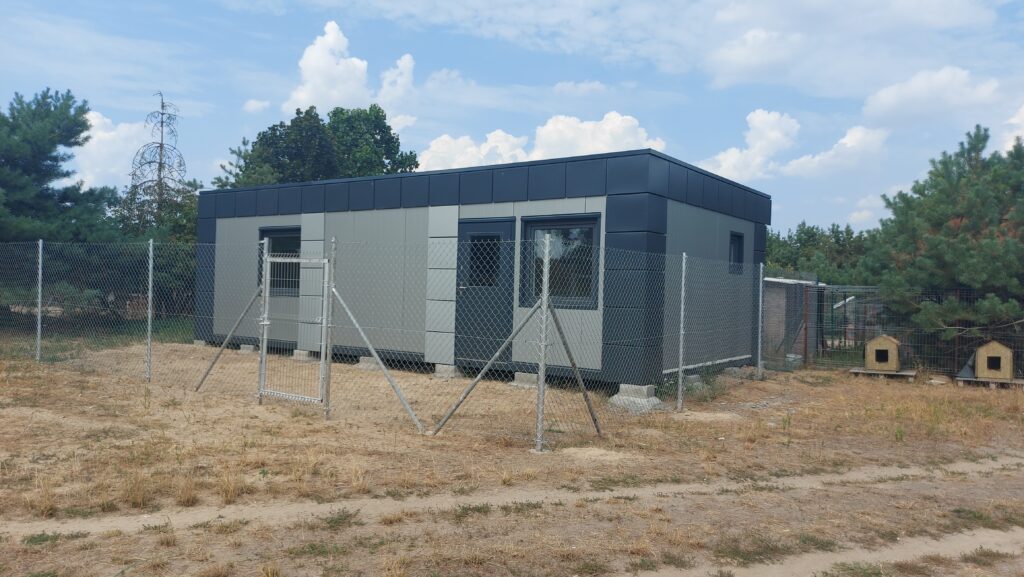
(857, 143)
(1016, 127)
(559, 136)
(330, 77)
(768, 133)
(931, 92)
(106, 159)
(252, 105)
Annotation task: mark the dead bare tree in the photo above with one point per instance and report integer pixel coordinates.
(159, 192)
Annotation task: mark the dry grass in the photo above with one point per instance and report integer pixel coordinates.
(69, 459)
(186, 494)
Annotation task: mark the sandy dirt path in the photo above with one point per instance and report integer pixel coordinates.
(1011, 541)
(277, 512)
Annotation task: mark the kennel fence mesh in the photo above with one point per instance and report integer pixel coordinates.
(437, 313)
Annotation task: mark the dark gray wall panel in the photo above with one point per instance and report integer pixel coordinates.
(476, 187)
(694, 188)
(628, 174)
(622, 287)
(313, 198)
(547, 181)
(760, 237)
(289, 200)
(677, 182)
(336, 197)
(266, 202)
(510, 184)
(641, 212)
(657, 176)
(585, 178)
(245, 203)
(360, 195)
(415, 191)
(225, 205)
(444, 189)
(387, 193)
(207, 205)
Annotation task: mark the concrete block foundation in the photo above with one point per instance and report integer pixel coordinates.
(525, 380)
(367, 364)
(301, 355)
(246, 349)
(637, 399)
(446, 371)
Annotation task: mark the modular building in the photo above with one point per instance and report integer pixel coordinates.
(439, 266)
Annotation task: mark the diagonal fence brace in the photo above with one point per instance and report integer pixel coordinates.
(380, 363)
(575, 370)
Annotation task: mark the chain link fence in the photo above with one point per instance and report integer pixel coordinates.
(533, 340)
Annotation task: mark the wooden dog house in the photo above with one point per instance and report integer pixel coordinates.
(882, 353)
(994, 361)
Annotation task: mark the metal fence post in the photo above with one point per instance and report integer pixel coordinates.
(680, 385)
(149, 319)
(39, 303)
(542, 366)
(264, 320)
(760, 320)
(325, 333)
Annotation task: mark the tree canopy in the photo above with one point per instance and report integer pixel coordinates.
(959, 229)
(37, 199)
(350, 142)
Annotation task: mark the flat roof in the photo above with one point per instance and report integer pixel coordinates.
(623, 172)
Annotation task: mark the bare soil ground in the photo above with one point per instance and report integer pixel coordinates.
(803, 473)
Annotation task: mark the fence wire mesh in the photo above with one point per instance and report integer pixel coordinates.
(437, 314)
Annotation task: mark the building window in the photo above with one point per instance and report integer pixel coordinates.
(736, 253)
(574, 261)
(484, 260)
(284, 276)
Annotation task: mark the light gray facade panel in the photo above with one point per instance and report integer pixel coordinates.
(309, 337)
(441, 284)
(311, 280)
(552, 206)
(312, 248)
(496, 210)
(313, 226)
(442, 253)
(440, 348)
(236, 276)
(440, 316)
(380, 271)
(443, 221)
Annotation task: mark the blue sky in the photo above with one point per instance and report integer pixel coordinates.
(823, 105)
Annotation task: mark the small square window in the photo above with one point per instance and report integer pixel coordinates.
(736, 253)
(284, 276)
(881, 356)
(573, 279)
(994, 363)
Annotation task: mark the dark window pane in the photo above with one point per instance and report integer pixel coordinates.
(484, 260)
(736, 253)
(571, 274)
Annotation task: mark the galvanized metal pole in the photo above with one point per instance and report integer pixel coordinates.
(760, 320)
(479, 376)
(264, 320)
(149, 319)
(542, 366)
(681, 385)
(380, 363)
(39, 302)
(325, 334)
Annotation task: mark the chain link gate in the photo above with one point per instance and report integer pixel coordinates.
(295, 332)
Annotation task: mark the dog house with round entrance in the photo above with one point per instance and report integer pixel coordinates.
(994, 361)
(882, 353)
